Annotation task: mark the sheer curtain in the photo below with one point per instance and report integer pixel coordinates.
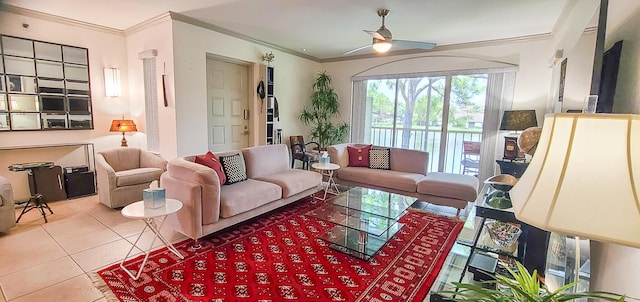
(500, 90)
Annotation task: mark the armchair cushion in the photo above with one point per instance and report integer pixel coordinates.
(137, 176)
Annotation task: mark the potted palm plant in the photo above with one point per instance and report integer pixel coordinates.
(520, 286)
(324, 108)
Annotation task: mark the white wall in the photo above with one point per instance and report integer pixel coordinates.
(293, 79)
(106, 49)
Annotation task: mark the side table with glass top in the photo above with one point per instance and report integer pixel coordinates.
(137, 210)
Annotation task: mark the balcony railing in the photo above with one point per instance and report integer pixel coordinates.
(429, 141)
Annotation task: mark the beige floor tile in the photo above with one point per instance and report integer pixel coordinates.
(104, 255)
(110, 218)
(101, 300)
(74, 226)
(129, 228)
(86, 241)
(78, 289)
(38, 277)
(28, 249)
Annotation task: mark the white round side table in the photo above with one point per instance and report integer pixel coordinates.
(327, 170)
(137, 210)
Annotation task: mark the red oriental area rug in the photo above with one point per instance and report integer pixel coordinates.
(279, 257)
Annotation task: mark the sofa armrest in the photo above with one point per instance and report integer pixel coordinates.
(202, 176)
(338, 154)
(152, 160)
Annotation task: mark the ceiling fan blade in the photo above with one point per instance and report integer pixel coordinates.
(375, 34)
(413, 44)
(356, 49)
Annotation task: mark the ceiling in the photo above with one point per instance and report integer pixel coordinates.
(326, 28)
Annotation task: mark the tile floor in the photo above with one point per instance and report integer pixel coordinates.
(51, 262)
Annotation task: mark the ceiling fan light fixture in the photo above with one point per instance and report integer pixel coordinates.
(381, 46)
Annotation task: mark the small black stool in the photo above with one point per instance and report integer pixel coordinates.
(35, 201)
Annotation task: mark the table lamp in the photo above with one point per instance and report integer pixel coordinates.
(516, 120)
(584, 180)
(123, 126)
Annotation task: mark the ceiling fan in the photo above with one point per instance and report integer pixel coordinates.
(382, 41)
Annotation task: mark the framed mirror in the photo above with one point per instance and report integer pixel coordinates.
(43, 86)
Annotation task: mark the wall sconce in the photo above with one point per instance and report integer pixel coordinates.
(112, 82)
(123, 126)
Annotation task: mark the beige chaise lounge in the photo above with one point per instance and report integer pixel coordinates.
(407, 176)
(209, 207)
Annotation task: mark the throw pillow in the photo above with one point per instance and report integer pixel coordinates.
(212, 162)
(380, 158)
(358, 157)
(234, 168)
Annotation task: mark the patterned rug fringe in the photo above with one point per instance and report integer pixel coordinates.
(100, 285)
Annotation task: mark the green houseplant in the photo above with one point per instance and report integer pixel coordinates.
(324, 107)
(521, 286)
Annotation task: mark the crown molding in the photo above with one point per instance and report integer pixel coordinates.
(148, 23)
(182, 18)
(59, 19)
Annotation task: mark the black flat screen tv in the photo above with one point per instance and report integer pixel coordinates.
(609, 78)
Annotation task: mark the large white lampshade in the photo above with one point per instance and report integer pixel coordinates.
(584, 180)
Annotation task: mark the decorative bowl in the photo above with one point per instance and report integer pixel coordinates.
(503, 234)
(502, 182)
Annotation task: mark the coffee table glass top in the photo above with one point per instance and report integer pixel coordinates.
(365, 220)
(373, 201)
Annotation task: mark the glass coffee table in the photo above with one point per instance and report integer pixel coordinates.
(365, 219)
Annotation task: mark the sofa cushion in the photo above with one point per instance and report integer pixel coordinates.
(212, 162)
(265, 160)
(234, 168)
(358, 156)
(137, 176)
(293, 181)
(382, 178)
(246, 195)
(379, 158)
(456, 186)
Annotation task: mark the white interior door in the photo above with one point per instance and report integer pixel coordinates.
(227, 102)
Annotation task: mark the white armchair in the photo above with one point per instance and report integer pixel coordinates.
(124, 172)
(7, 206)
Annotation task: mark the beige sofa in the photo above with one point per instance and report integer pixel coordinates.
(124, 172)
(7, 206)
(209, 207)
(407, 176)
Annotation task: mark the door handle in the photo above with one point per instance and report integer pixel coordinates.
(245, 132)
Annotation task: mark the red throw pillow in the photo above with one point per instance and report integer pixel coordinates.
(212, 162)
(359, 157)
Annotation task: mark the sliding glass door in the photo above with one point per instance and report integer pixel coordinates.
(434, 114)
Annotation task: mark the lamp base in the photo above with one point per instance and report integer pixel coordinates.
(615, 268)
(123, 142)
